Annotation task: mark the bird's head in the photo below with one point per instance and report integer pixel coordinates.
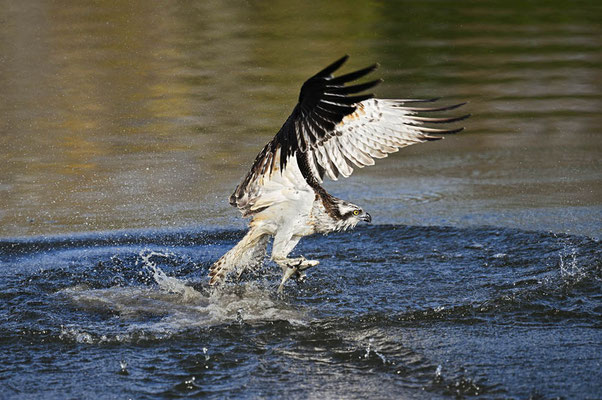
(351, 215)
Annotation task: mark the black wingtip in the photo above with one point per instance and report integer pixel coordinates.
(428, 136)
(431, 100)
(431, 109)
(452, 131)
(443, 120)
(372, 67)
(351, 76)
(354, 88)
(333, 67)
(455, 119)
(432, 138)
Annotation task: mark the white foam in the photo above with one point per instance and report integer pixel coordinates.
(569, 268)
(166, 283)
(173, 306)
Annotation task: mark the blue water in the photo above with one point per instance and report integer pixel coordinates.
(391, 312)
(119, 117)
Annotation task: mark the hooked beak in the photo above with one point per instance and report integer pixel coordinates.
(366, 217)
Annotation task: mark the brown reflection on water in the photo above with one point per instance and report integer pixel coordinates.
(140, 114)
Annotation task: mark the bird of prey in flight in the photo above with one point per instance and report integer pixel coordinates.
(331, 129)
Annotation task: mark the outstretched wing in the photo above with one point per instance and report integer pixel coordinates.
(333, 128)
(376, 128)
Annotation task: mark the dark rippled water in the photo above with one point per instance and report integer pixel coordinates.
(391, 312)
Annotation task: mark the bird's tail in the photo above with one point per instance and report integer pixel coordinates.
(248, 253)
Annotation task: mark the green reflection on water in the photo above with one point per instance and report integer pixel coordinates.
(146, 114)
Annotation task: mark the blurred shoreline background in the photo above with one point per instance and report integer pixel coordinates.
(138, 114)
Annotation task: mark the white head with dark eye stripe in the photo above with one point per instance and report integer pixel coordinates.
(350, 215)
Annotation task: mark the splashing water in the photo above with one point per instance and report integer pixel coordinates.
(370, 350)
(157, 313)
(569, 269)
(167, 283)
(439, 373)
(123, 365)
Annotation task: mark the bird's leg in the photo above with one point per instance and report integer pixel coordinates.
(290, 266)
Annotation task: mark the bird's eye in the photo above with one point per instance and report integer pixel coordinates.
(356, 212)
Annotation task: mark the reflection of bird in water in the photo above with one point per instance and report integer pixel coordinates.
(330, 129)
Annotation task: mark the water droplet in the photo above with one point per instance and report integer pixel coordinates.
(123, 368)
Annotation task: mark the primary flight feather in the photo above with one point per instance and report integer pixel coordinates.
(331, 129)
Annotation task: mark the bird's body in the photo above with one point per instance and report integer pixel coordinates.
(327, 133)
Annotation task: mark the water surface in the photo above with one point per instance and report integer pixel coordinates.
(392, 312)
(125, 126)
(147, 114)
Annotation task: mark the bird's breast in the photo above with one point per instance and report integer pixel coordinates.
(320, 219)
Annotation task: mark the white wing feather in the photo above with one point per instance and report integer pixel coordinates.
(274, 186)
(377, 128)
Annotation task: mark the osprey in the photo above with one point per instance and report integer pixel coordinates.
(330, 129)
